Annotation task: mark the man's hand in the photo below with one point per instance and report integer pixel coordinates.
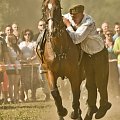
(66, 22)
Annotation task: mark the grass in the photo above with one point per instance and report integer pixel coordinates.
(25, 111)
(47, 111)
(42, 111)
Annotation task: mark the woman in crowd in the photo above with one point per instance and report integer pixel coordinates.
(27, 47)
(14, 70)
(8, 31)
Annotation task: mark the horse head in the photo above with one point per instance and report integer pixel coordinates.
(52, 15)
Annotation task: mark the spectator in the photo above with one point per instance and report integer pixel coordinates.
(117, 31)
(113, 84)
(116, 49)
(2, 34)
(38, 36)
(104, 27)
(41, 27)
(14, 71)
(16, 32)
(109, 41)
(8, 30)
(27, 47)
(4, 58)
(99, 31)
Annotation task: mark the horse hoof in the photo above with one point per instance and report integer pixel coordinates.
(61, 118)
(79, 118)
(76, 116)
(63, 113)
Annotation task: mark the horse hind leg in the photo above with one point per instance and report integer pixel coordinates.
(62, 112)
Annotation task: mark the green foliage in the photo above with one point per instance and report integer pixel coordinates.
(28, 12)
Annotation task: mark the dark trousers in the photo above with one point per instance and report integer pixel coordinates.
(97, 71)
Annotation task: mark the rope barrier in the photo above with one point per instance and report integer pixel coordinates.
(34, 64)
(15, 65)
(113, 60)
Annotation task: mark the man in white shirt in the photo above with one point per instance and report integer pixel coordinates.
(82, 29)
(42, 75)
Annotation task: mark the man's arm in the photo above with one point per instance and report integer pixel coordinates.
(80, 34)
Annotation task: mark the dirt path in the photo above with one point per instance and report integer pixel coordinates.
(112, 114)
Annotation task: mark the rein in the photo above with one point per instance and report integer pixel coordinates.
(39, 45)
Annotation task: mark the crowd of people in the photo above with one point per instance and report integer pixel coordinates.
(20, 68)
(111, 37)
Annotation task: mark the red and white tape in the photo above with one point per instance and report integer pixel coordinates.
(15, 65)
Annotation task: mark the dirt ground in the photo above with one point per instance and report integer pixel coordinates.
(112, 114)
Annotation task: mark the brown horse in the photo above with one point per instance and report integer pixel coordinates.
(61, 57)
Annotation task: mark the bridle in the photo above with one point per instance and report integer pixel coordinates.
(55, 28)
(52, 15)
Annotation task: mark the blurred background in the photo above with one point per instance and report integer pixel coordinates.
(26, 13)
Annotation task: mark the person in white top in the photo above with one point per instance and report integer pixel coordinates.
(81, 27)
(14, 70)
(29, 71)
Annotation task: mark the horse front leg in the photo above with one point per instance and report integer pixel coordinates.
(52, 80)
(75, 85)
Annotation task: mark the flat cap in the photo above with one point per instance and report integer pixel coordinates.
(77, 9)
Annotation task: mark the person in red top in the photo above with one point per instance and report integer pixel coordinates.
(4, 58)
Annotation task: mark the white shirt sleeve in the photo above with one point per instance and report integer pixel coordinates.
(80, 34)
